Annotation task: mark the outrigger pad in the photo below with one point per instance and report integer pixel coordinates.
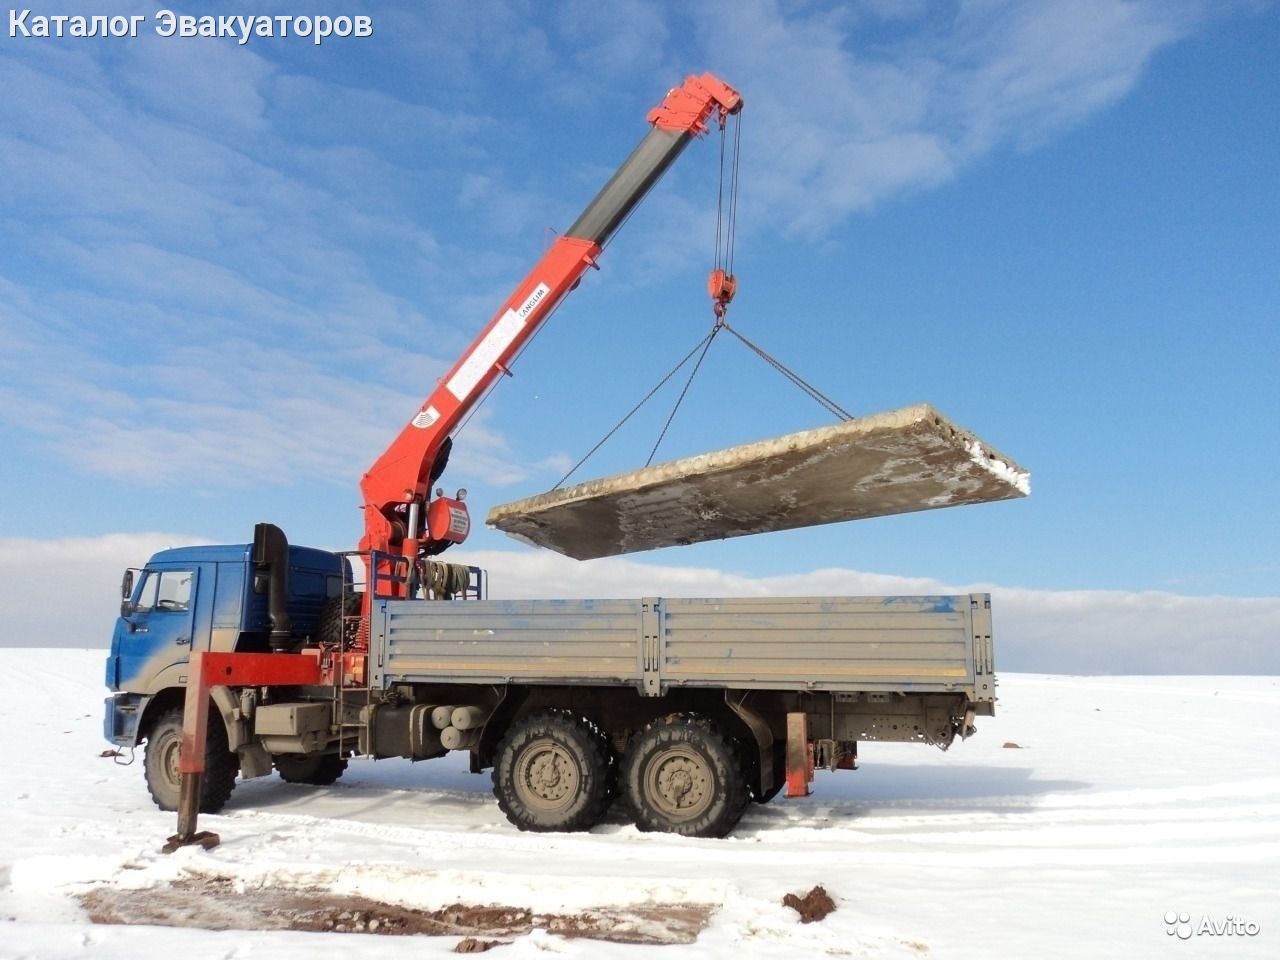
(895, 462)
(202, 839)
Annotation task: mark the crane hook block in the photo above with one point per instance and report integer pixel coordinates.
(722, 286)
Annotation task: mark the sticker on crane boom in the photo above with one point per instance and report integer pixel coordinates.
(493, 345)
(426, 417)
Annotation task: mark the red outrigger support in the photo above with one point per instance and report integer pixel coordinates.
(208, 670)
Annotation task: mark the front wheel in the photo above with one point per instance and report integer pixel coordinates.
(681, 775)
(160, 763)
(553, 772)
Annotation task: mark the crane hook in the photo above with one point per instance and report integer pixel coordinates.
(722, 286)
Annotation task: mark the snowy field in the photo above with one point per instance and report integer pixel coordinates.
(1131, 797)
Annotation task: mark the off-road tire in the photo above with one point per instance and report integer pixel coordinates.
(681, 775)
(553, 771)
(331, 626)
(160, 763)
(316, 769)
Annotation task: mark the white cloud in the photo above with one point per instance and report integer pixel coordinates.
(849, 106)
(630, 39)
(230, 413)
(486, 453)
(66, 592)
(194, 214)
(184, 317)
(834, 125)
(200, 81)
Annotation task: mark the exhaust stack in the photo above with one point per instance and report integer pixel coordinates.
(271, 557)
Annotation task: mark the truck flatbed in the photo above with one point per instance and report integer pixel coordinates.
(916, 644)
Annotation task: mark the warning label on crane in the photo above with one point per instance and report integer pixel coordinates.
(426, 417)
(494, 343)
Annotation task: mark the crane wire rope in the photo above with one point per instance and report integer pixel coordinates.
(710, 338)
(727, 223)
(732, 227)
(700, 345)
(726, 235)
(729, 230)
(724, 229)
(813, 392)
(720, 200)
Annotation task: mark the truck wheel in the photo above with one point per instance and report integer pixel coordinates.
(552, 772)
(160, 763)
(681, 775)
(316, 769)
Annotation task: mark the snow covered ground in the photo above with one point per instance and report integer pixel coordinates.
(1132, 797)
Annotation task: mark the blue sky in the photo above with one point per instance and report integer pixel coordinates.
(228, 274)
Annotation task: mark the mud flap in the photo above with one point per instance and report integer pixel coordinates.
(799, 755)
(255, 761)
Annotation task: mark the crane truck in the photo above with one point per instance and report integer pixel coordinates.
(239, 660)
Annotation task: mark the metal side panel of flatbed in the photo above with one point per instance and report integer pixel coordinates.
(926, 644)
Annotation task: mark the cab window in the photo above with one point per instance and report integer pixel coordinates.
(147, 592)
(165, 590)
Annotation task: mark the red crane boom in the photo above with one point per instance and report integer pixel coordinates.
(401, 516)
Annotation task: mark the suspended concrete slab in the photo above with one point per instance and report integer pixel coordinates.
(896, 462)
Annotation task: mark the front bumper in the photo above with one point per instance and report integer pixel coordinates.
(122, 711)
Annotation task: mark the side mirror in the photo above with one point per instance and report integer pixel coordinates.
(126, 593)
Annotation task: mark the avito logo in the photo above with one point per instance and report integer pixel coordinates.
(1179, 925)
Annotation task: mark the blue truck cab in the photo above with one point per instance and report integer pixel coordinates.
(212, 598)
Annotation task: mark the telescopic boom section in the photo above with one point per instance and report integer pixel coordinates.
(401, 516)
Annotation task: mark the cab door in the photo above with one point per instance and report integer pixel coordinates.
(157, 629)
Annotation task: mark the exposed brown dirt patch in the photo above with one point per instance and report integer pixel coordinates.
(472, 945)
(813, 906)
(215, 903)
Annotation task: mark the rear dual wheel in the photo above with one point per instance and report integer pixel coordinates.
(682, 775)
(553, 771)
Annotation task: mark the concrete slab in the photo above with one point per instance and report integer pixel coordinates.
(895, 462)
